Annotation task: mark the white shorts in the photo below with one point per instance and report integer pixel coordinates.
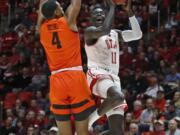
(100, 81)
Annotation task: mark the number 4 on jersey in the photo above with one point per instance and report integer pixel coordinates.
(55, 40)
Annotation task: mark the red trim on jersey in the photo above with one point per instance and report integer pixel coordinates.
(124, 106)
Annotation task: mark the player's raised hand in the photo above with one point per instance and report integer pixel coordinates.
(110, 2)
(127, 7)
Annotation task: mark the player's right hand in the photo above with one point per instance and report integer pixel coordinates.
(127, 7)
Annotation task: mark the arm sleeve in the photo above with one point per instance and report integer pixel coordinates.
(135, 33)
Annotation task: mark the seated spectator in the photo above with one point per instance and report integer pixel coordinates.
(30, 130)
(157, 128)
(170, 112)
(177, 119)
(25, 77)
(153, 87)
(137, 110)
(176, 99)
(172, 128)
(41, 119)
(41, 101)
(20, 129)
(39, 80)
(173, 76)
(128, 120)
(34, 106)
(133, 129)
(148, 113)
(7, 128)
(30, 118)
(160, 101)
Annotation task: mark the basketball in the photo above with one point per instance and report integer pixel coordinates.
(119, 2)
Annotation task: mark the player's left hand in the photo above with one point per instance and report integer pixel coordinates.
(127, 7)
(110, 2)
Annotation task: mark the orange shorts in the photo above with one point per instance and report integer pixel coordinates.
(70, 95)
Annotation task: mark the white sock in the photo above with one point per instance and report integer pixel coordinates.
(92, 118)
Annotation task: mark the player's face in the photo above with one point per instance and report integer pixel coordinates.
(98, 17)
(59, 11)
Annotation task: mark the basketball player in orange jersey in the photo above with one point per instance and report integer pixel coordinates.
(69, 91)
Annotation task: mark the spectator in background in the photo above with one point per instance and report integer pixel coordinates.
(173, 76)
(137, 110)
(172, 128)
(39, 80)
(176, 100)
(20, 129)
(41, 101)
(157, 128)
(128, 120)
(160, 101)
(30, 130)
(153, 9)
(148, 113)
(133, 129)
(177, 119)
(7, 128)
(153, 87)
(170, 112)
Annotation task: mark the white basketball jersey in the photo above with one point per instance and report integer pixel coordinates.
(105, 53)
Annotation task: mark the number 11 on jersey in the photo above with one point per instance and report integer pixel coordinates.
(113, 56)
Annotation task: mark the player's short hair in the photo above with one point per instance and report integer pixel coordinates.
(48, 9)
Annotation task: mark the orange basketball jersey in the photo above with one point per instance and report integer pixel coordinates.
(61, 44)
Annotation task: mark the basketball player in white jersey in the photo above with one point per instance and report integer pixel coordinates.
(102, 48)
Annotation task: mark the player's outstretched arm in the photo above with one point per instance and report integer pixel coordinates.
(40, 16)
(93, 33)
(135, 33)
(72, 13)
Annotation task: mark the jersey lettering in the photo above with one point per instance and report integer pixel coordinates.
(56, 40)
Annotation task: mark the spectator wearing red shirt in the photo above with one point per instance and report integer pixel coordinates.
(160, 101)
(137, 110)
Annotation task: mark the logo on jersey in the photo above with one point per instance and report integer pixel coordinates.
(110, 44)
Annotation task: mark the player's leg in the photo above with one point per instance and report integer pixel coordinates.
(112, 95)
(116, 125)
(82, 127)
(82, 104)
(113, 99)
(60, 105)
(116, 120)
(116, 117)
(64, 127)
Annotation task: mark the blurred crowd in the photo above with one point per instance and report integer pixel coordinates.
(149, 69)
